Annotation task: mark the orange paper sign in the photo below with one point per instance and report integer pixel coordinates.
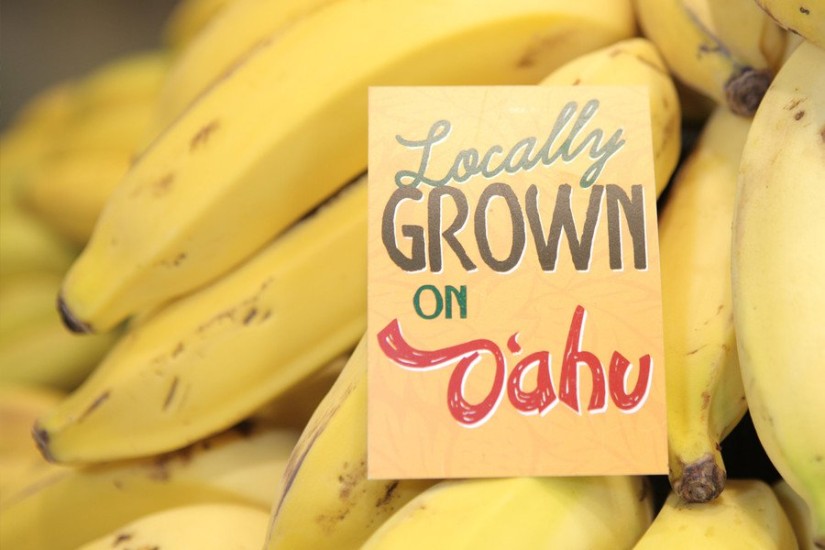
(514, 299)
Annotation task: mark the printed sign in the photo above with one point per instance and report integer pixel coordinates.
(514, 298)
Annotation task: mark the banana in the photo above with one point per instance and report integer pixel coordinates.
(746, 515)
(68, 191)
(634, 62)
(35, 347)
(705, 398)
(526, 512)
(727, 50)
(187, 19)
(797, 512)
(132, 78)
(65, 506)
(778, 271)
(201, 526)
(806, 19)
(233, 33)
(288, 126)
(27, 245)
(212, 358)
(324, 499)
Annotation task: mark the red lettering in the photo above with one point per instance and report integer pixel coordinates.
(629, 402)
(573, 355)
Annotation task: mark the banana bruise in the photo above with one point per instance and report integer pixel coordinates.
(212, 358)
(62, 507)
(202, 526)
(778, 271)
(746, 515)
(727, 50)
(255, 157)
(324, 499)
(704, 390)
(634, 62)
(529, 512)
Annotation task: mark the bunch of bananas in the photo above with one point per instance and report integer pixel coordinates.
(199, 213)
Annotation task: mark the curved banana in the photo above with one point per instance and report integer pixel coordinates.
(212, 358)
(255, 157)
(700, 345)
(634, 62)
(132, 78)
(778, 272)
(65, 507)
(201, 526)
(233, 34)
(187, 19)
(324, 499)
(727, 50)
(746, 515)
(527, 512)
(804, 18)
(35, 347)
(68, 191)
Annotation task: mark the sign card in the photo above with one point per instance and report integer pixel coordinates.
(514, 298)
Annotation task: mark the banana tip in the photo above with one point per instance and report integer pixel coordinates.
(41, 438)
(701, 481)
(745, 90)
(69, 320)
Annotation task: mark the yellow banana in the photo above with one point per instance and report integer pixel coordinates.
(233, 34)
(27, 245)
(705, 398)
(324, 499)
(68, 191)
(778, 271)
(805, 18)
(132, 78)
(528, 512)
(746, 515)
(727, 50)
(65, 506)
(288, 127)
(797, 512)
(212, 358)
(35, 347)
(187, 19)
(201, 526)
(634, 62)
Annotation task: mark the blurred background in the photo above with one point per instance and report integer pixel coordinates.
(45, 41)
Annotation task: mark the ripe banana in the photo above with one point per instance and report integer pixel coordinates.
(212, 358)
(778, 271)
(288, 127)
(27, 245)
(705, 398)
(201, 526)
(68, 191)
(746, 515)
(35, 347)
(727, 50)
(797, 512)
(65, 506)
(324, 499)
(133, 78)
(526, 512)
(634, 62)
(233, 34)
(187, 19)
(804, 18)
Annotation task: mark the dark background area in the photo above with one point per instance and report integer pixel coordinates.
(45, 41)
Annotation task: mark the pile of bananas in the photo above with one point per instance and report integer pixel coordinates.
(199, 212)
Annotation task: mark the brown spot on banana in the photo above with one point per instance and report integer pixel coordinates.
(94, 405)
(389, 490)
(163, 185)
(804, 11)
(799, 115)
(121, 537)
(822, 134)
(202, 135)
(171, 393)
(705, 400)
